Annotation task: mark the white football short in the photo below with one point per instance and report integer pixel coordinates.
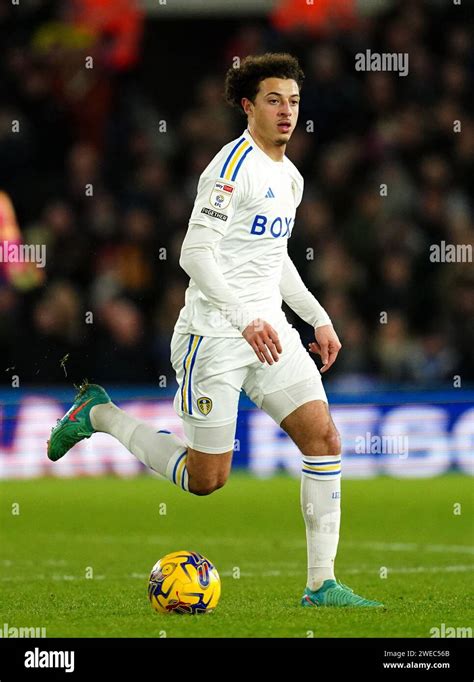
(211, 372)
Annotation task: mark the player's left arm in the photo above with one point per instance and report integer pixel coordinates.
(298, 297)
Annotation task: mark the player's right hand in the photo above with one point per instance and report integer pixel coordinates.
(264, 340)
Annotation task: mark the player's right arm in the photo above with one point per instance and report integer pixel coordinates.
(264, 340)
(207, 226)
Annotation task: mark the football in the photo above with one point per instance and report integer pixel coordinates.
(184, 583)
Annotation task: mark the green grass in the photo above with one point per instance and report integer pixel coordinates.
(115, 527)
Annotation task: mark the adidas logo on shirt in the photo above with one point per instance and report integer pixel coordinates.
(269, 194)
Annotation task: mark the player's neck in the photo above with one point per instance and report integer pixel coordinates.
(275, 152)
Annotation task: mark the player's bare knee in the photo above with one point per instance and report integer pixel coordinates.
(207, 472)
(202, 488)
(333, 443)
(328, 443)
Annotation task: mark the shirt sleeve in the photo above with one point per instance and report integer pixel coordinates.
(214, 208)
(216, 202)
(299, 298)
(198, 261)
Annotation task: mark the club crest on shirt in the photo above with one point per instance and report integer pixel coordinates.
(205, 405)
(221, 194)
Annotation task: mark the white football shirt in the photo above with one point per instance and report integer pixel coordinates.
(250, 201)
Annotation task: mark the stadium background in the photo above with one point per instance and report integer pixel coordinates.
(103, 170)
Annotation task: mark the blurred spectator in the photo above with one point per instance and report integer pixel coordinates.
(357, 359)
(433, 361)
(59, 335)
(122, 352)
(395, 350)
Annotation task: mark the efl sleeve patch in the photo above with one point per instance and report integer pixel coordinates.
(221, 194)
(215, 204)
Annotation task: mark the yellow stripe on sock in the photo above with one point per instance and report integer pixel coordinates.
(322, 467)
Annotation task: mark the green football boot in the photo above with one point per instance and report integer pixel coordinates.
(334, 593)
(76, 424)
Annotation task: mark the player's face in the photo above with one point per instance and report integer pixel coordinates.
(275, 111)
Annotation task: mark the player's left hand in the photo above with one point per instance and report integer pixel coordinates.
(327, 345)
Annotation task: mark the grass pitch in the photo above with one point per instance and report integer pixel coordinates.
(115, 530)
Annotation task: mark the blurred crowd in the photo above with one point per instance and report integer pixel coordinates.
(105, 175)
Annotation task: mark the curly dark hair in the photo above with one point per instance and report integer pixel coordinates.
(245, 80)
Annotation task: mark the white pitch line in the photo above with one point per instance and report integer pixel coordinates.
(163, 539)
(458, 568)
(411, 547)
(31, 562)
(364, 568)
(41, 576)
(137, 539)
(462, 549)
(394, 546)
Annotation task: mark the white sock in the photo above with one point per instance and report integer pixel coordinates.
(162, 451)
(321, 507)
